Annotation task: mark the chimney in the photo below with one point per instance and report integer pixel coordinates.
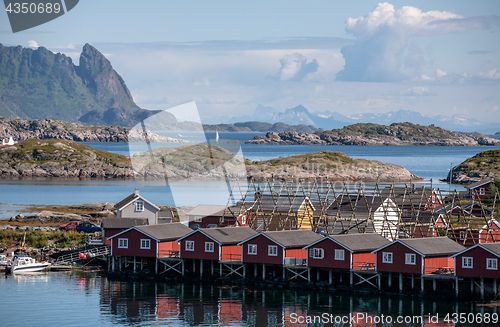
(136, 191)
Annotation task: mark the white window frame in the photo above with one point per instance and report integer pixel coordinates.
(482, 191)
(209, 246)
(317, 253)
(410, 258)
(467, 262)
(243, 219)
(339, 254)
(252, 249)
(145, 243)
(462, 235)
(123, 243)
(491, 264)
(387, 257)
(189, 246)
(272, 250)
(198, 219)
(139, 205)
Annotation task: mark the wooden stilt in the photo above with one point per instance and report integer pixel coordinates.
(400, 282)
(201, 269)
(495, 288)
(317, 275)
(330, 279)
(412, 282)
(211, 267)
(351, 279)
(182, 267)
(379, 280)
(156, 266)
(264, 271)
(308, 274)
(482, 288)
(255, 270)
(389, 281)
(422, 283)
(284, 273)
(220, 269)
(456, 287)
(194, 266)
(434, 285)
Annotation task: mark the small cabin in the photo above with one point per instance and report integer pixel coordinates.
(480, 190)
(218, 244)
(205, 214)
(136, 206)
(113, 226)
(418, 255)
(351, 251)
(278, 247)
(480, 260)
(151, 241)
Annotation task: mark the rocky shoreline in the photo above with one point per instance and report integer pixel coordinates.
(459, 139)
(40, 129)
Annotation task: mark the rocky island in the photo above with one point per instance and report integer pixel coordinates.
(483, 165)
(374, 134)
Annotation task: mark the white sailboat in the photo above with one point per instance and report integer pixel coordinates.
(216, 136)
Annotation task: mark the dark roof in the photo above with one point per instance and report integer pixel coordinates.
(121, 223)
(479, 183)
(283, 202)
(361, 242)
(132, 197)
(229, 235)
(493, 247)
(423, 217)
(433, 246)
(166, 232)
(294, 238)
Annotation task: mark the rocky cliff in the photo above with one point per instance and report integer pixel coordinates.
(483, 165)
(36, 84)
(22, 130)
(373, 134)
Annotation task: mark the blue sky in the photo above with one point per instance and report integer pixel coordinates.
(434, 57)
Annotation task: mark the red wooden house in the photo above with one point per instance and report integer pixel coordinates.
(113, 226)
(480, 190)
(278, 247)
(220, 244)
(151, 241)
(479, 261)
(219, 215)
(417, 255)
(350, 251)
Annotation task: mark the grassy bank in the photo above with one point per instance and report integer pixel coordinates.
(39, 239)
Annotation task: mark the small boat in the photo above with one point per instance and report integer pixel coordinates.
(22, 263)
(216, 136)
(9, 142)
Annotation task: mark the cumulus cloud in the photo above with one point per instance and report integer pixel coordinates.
(440, 73)
(295, 67)
(33, 44)
(383, 35)
(492, 74)
(417, 91)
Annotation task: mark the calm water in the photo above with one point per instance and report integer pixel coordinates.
(425, 161)
(65, 299)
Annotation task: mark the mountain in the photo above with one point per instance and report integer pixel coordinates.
(39, 84)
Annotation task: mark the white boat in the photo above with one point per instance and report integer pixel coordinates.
(216, 136)
(9, 142)
(23, 263)
(4, 261)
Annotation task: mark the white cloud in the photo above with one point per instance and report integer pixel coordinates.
(440, 73)
(295, 67)
(417, 91)
(383, 37)
(70, 46)
(33, 44)
(492, 74)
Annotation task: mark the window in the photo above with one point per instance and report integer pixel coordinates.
(482, 191)
(198, 219)
(252, 248)
(139, 206)
(145, 244)
(462, 235)
(339, 254)
(272, 250)
(410, 258)
(491, 264)
(123, 243)
(189, 245)
(387, 257)
(317, 253)
(209, 246)
(467, 262)
(243, 220)
(405, 212)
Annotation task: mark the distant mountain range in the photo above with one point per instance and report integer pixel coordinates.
(332, 120)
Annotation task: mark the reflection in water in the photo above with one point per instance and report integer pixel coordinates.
(206, 305)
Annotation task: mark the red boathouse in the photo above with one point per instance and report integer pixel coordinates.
(479, 261)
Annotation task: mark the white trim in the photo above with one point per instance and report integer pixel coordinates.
(488, 260)
(124, 244)
(410, 255)
(263, 234)
(137, 229)
(209, 245)
(467, 265)
(146, 241)
(317, 253)
(198, 231)
(135, 198)
(337, 257)
(136, 209)
(254, 246)
(391, 256)
(270, 253)
(189, 248)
